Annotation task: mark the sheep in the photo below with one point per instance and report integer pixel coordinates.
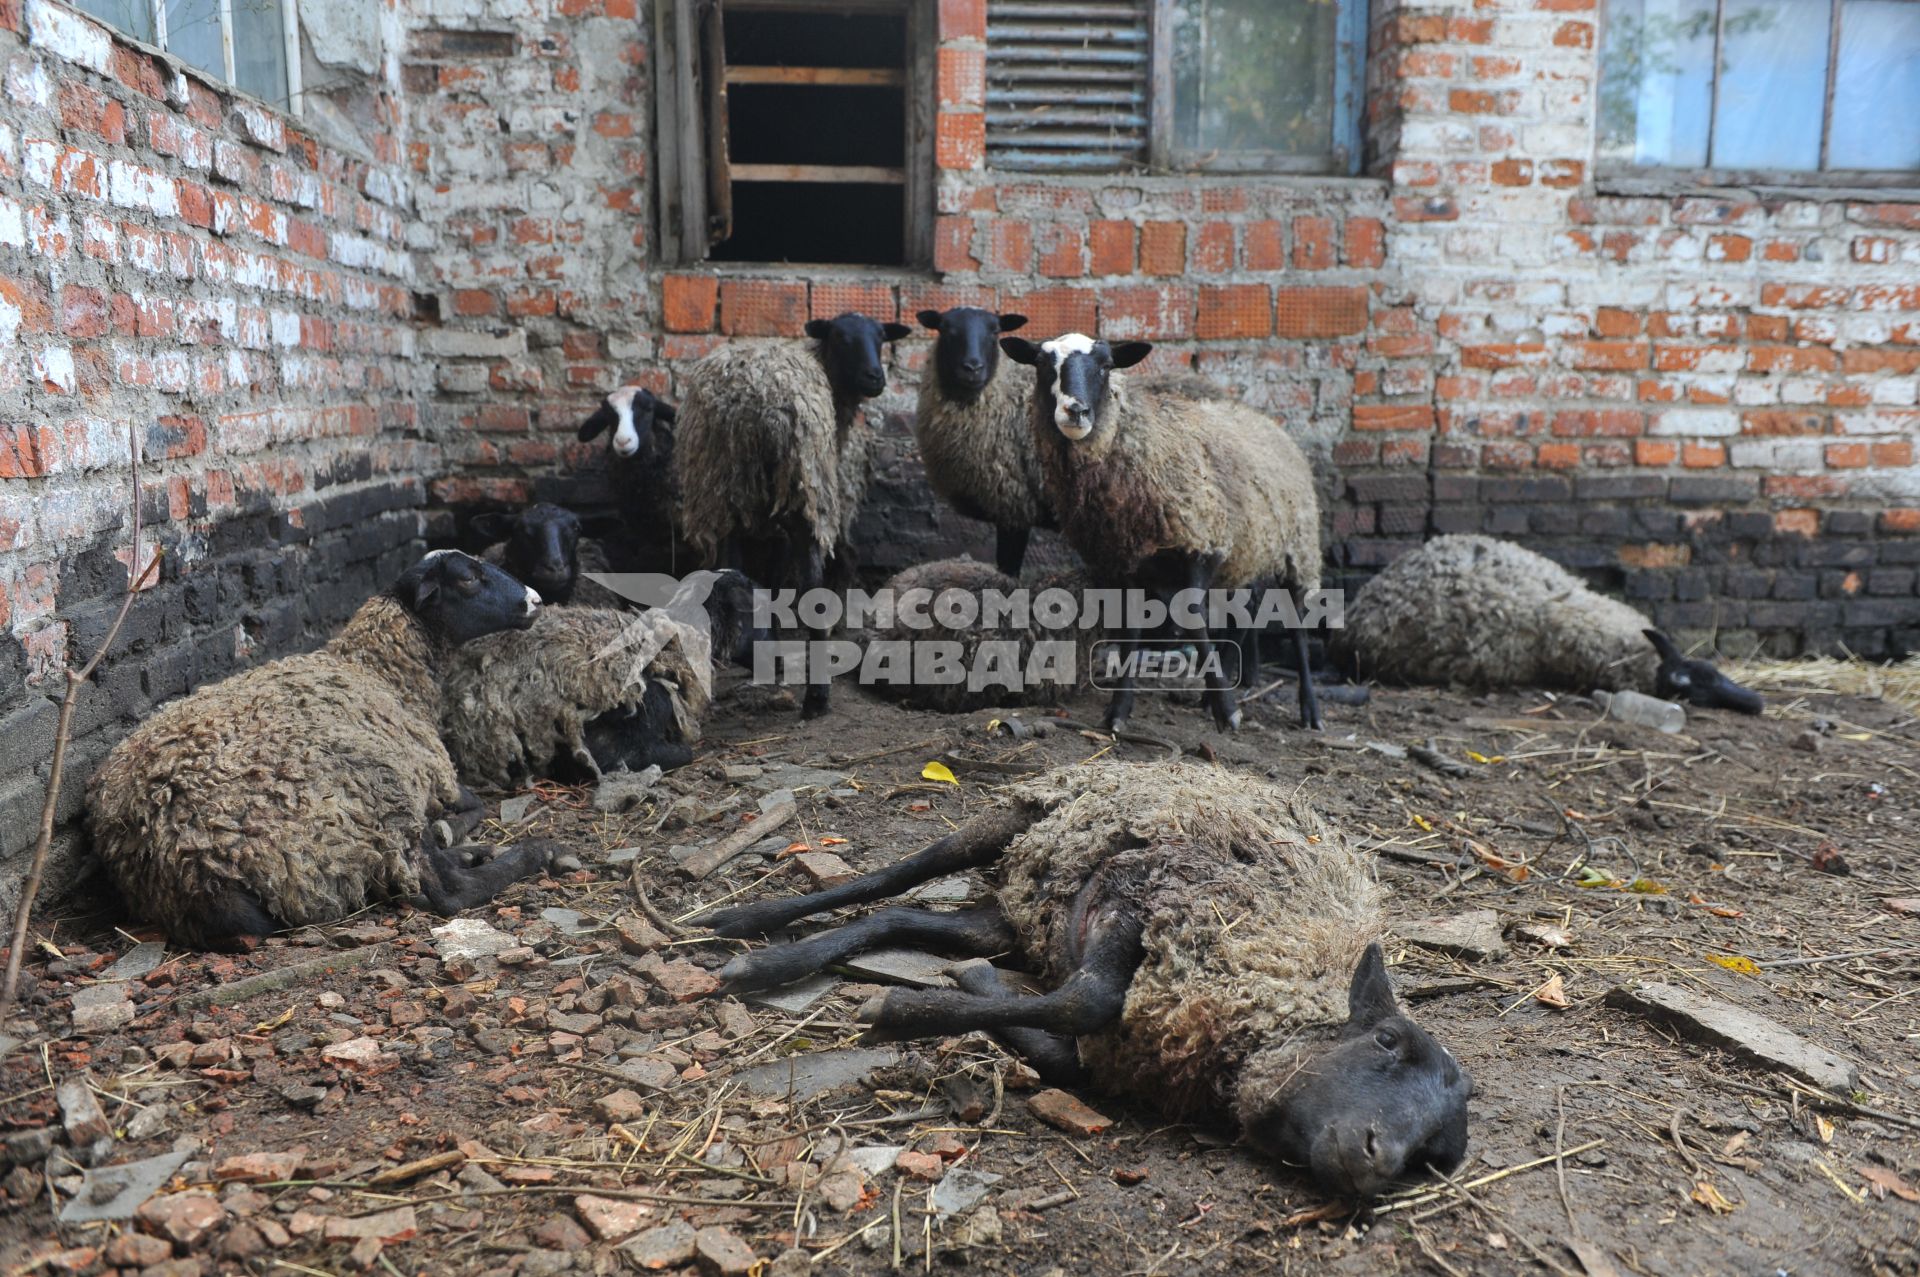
(922, 585)
(303, 790)
(1478, 612)
(587, 691)
(971, 425)
(549, 548)
(640, 445)
(1210, 946)
(1157, 489)
(772, 459)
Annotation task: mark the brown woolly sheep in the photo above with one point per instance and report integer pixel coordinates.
(1472, 611)
(772, 459)
(1210, 947)
(1169, 491)
(302, 790)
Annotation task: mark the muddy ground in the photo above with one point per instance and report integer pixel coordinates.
(396, 1111)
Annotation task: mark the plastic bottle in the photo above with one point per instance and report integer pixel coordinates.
(1647, 711)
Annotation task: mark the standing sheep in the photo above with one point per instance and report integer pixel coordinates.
(971, 425)
(302, 790)
(548, 548)
(1156, 490)
(1477, 612)
(772, 459)
(639, 430)
(1211, 948)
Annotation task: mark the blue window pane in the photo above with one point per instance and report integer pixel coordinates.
(1773, 80)
(193, 35)
(1254, 76)
(135, 17)
(1656, 84)
(260, 49)
(1876, 92)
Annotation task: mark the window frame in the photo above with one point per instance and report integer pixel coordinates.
(225, 77)
(1628, 178)
(692, 169)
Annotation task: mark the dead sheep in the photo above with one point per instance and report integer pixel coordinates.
(1476, 612)
(302, 790)
(1209, 945)
(549, 548)
(923, 586)
(1168, 491)
(640, 445)
(773, 454)
(586, 691)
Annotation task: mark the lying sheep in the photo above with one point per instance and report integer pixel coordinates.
(1197, 929)
(1472, 611)
(587, 691)
(924, 584)
(1161, 490)
(971, 425)
(547, 547)
(772, 459)
(640, 445)
(302, 790)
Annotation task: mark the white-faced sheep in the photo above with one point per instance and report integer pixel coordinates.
(549, 548)
(1209, 944)
(1472, 611)
(587, 691)
(773, 460)
(1165, 491)
(1067, 658)
(303, 790)
(640, 444)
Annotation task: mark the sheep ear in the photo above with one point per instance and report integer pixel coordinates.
(492, 526)
(664, 411)
(1128, 353)
(1370, 997)
(930, 319)
(602, 526)
(894, 332)
(819, 328)
(602, 419)
(424, 589)
(1020, 350)
(1662, 644)
(1011, 321)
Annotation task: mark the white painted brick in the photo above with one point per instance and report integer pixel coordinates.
(262, 125)
(1704, 423)
(286, 328)
(1755, 392)
(465, 343)
(54, 366)
(1777, 454)
(61, 31)
(39, 160)
(28, 83)
(9, 323)
(13, 225)
(1898, 391)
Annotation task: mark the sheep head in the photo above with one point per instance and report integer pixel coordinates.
(965, 354)
(458, 598)
(1071, 376)
(634, 416)
(543, 545)
(850, 352)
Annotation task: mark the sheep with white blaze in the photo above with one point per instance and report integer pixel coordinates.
(1210, 946)
(1160, 491)
(304, 790)
(640, 443)
(1473, 611)
(774, 455)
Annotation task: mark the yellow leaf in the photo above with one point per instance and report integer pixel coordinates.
(833, 842)
(1855, 736)
(1553, 992)
(1482, 758)
(1824, 1127)
(938, 771)
(1647, 887)
(1735, 963)
(1426, 826)
(268, 1026)
(1709, 1196)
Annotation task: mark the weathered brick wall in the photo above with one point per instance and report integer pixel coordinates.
(215, 273)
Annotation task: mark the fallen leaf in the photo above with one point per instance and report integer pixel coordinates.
(1854, 735)
(1542, 934)
(938, 771)
(1646, 887)
(1903, 904)
(1885, 1181)
(1735, 963)
(795, 848)
(1553, 993)
(1709, 1196)
(1482, 758)
(268, 1026)
(1424, 825)
(1592, 877)
(1825, 1128)
(833, 842)
(1592, 1258)
(1718, 911)
(1828, 860)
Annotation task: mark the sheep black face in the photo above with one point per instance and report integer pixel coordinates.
(1070, 375)
(850, 350)
(1698, 682)
(730, 619)
(965, 354)
(1382, 1101)
(543, 545)
(636, 419)
(459, 598)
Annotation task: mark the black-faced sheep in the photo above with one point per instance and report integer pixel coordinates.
(549, 548)
(303, 790)
(922, 586)
(1472, 611)
(639, 430)
(587, 691)
(1210, 947)
(1171, 492)
(773, 460)
(971, 425)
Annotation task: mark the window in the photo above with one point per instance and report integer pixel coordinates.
(250, 44)
(1762, 87)
(795, 131)
(1236, 86)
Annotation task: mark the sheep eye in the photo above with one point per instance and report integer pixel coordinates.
(1387, 1039)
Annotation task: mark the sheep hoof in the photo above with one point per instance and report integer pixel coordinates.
(1229, 721)
(442, 833)
(566, 863)
(872, 1009)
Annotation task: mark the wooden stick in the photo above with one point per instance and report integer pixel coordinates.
(704, 862)
(225, 995)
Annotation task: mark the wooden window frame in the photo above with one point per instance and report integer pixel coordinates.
(1627, 177)
(225, 76)
(692, 170)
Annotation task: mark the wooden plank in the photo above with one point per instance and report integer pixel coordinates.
(863, 173)
(721, 850)
(857, 77)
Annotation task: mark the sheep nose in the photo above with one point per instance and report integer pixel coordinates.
(973, 367)
(533, 601)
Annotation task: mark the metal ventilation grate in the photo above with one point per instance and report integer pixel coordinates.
(1067, 85)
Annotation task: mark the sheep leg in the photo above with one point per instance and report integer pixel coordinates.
(1087, 1001)
(1120, 706)
(1010, 548)
(449, 886)
(1219, 696)
(1309, 703)
(971, 931)
(1056, 1058)
(812, 573)
(978, 842)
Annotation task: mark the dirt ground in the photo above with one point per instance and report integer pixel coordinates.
(405, 1112)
